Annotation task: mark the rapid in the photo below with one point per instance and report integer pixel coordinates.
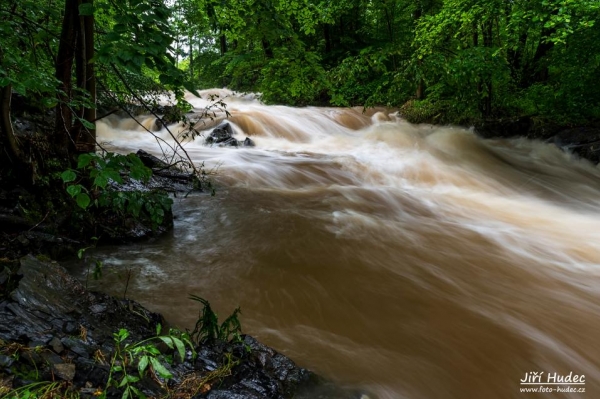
(409, 261)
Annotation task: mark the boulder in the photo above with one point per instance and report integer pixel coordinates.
(64, 371)
(220, 134)
(150, 160)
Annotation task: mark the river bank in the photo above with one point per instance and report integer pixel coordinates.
(52, 329)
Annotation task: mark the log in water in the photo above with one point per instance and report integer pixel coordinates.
(412, 261)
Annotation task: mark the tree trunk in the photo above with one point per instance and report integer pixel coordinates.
(191, 45)
(11, 151)
(86, 140)
(222, 44)
(327, 37)
(267, 48)
(61, 142)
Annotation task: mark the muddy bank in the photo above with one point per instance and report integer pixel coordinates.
(53, 329)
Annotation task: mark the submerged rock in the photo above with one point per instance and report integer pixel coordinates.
(582, 141)
(69, 333)
(222, 136)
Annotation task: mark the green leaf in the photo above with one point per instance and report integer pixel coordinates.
(158, 329)
(143, 365)
(122, 334)
(87, 124)
(160, 369)
(84, 160)
(180, 348)
(114, 175)
(152, 350)
(139, 393)
(101, 181)
(68, 176)
(83, 200)
(168, 341)
(86, 9)
(74, 190)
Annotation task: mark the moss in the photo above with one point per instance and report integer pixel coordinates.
(43, 258)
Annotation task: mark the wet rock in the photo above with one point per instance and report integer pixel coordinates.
(6, 361)
(56, 345)
(98, 308)
(220, 134)
(36, 344)
(64, 371)
(150, 160)
(78, 346)
(51, 358)
(23, 240)
(4, 276)
(581, 141)
(502, 128)
(229, 143)
(70, 328)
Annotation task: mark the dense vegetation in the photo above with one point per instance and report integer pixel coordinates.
(459, 60)
(447, 61)
(63, 65)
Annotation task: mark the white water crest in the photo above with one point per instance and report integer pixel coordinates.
(411, 261)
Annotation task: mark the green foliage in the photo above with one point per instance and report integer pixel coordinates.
(369, 78)
(140, 36)
(145, 357)
(293, 78)
(41, 390)
(416, 111)
(90, 185)
(470, 60)
(505, 58)
(23, 62)
(208, 329)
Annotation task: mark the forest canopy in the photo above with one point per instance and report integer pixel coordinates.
(461, 59)
(445, 61)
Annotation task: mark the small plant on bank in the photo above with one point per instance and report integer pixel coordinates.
(146, 357)
(41, 390)
(207, 327)
(98, 264)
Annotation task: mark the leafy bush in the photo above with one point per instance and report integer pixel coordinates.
(144, 355)
(89, 185)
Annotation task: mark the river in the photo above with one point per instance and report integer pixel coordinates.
(409, 261)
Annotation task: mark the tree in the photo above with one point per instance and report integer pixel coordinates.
(50, 52)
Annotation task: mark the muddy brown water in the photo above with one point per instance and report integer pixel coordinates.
(411, 261)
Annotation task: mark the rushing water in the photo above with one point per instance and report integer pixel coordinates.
(411, 261)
